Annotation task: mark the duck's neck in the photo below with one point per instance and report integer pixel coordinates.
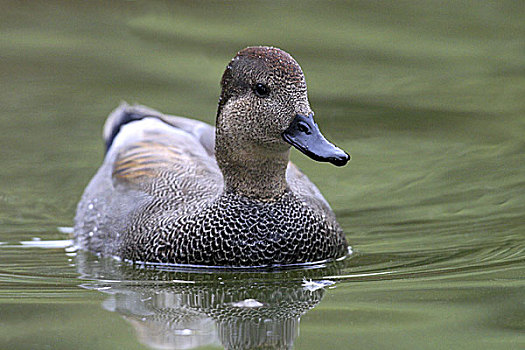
(251, 172)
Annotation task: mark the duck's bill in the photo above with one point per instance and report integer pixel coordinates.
(304, 134)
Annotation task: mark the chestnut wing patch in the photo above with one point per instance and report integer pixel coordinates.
(147, 159)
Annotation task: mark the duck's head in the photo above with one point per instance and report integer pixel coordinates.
(264, 108)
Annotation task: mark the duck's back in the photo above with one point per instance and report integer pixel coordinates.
(159, 197)
(152, 161)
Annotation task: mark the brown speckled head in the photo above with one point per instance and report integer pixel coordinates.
(276, 60)
(263, 109)
(263, 88)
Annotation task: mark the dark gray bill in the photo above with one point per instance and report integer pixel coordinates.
(303, 133)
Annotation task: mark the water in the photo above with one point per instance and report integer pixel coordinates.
(428, 97)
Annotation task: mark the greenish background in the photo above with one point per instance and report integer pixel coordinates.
(427, 96)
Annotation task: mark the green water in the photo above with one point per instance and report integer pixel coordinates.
(427, 96)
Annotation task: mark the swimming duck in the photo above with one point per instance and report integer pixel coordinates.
(176, 190)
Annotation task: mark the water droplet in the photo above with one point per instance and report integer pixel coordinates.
(90, 206)
(90, 234)
(247, 303)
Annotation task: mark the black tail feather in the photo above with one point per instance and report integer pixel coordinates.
(121, 116)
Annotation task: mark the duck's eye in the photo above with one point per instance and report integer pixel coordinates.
(261, 90)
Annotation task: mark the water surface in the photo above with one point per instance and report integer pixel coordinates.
(428, 97)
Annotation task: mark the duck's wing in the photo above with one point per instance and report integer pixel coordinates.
(125, 114)
(153, 163)
(161, 154)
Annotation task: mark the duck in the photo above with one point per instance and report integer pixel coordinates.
(174, 190)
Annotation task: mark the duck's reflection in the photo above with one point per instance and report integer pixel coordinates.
(183, 310)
